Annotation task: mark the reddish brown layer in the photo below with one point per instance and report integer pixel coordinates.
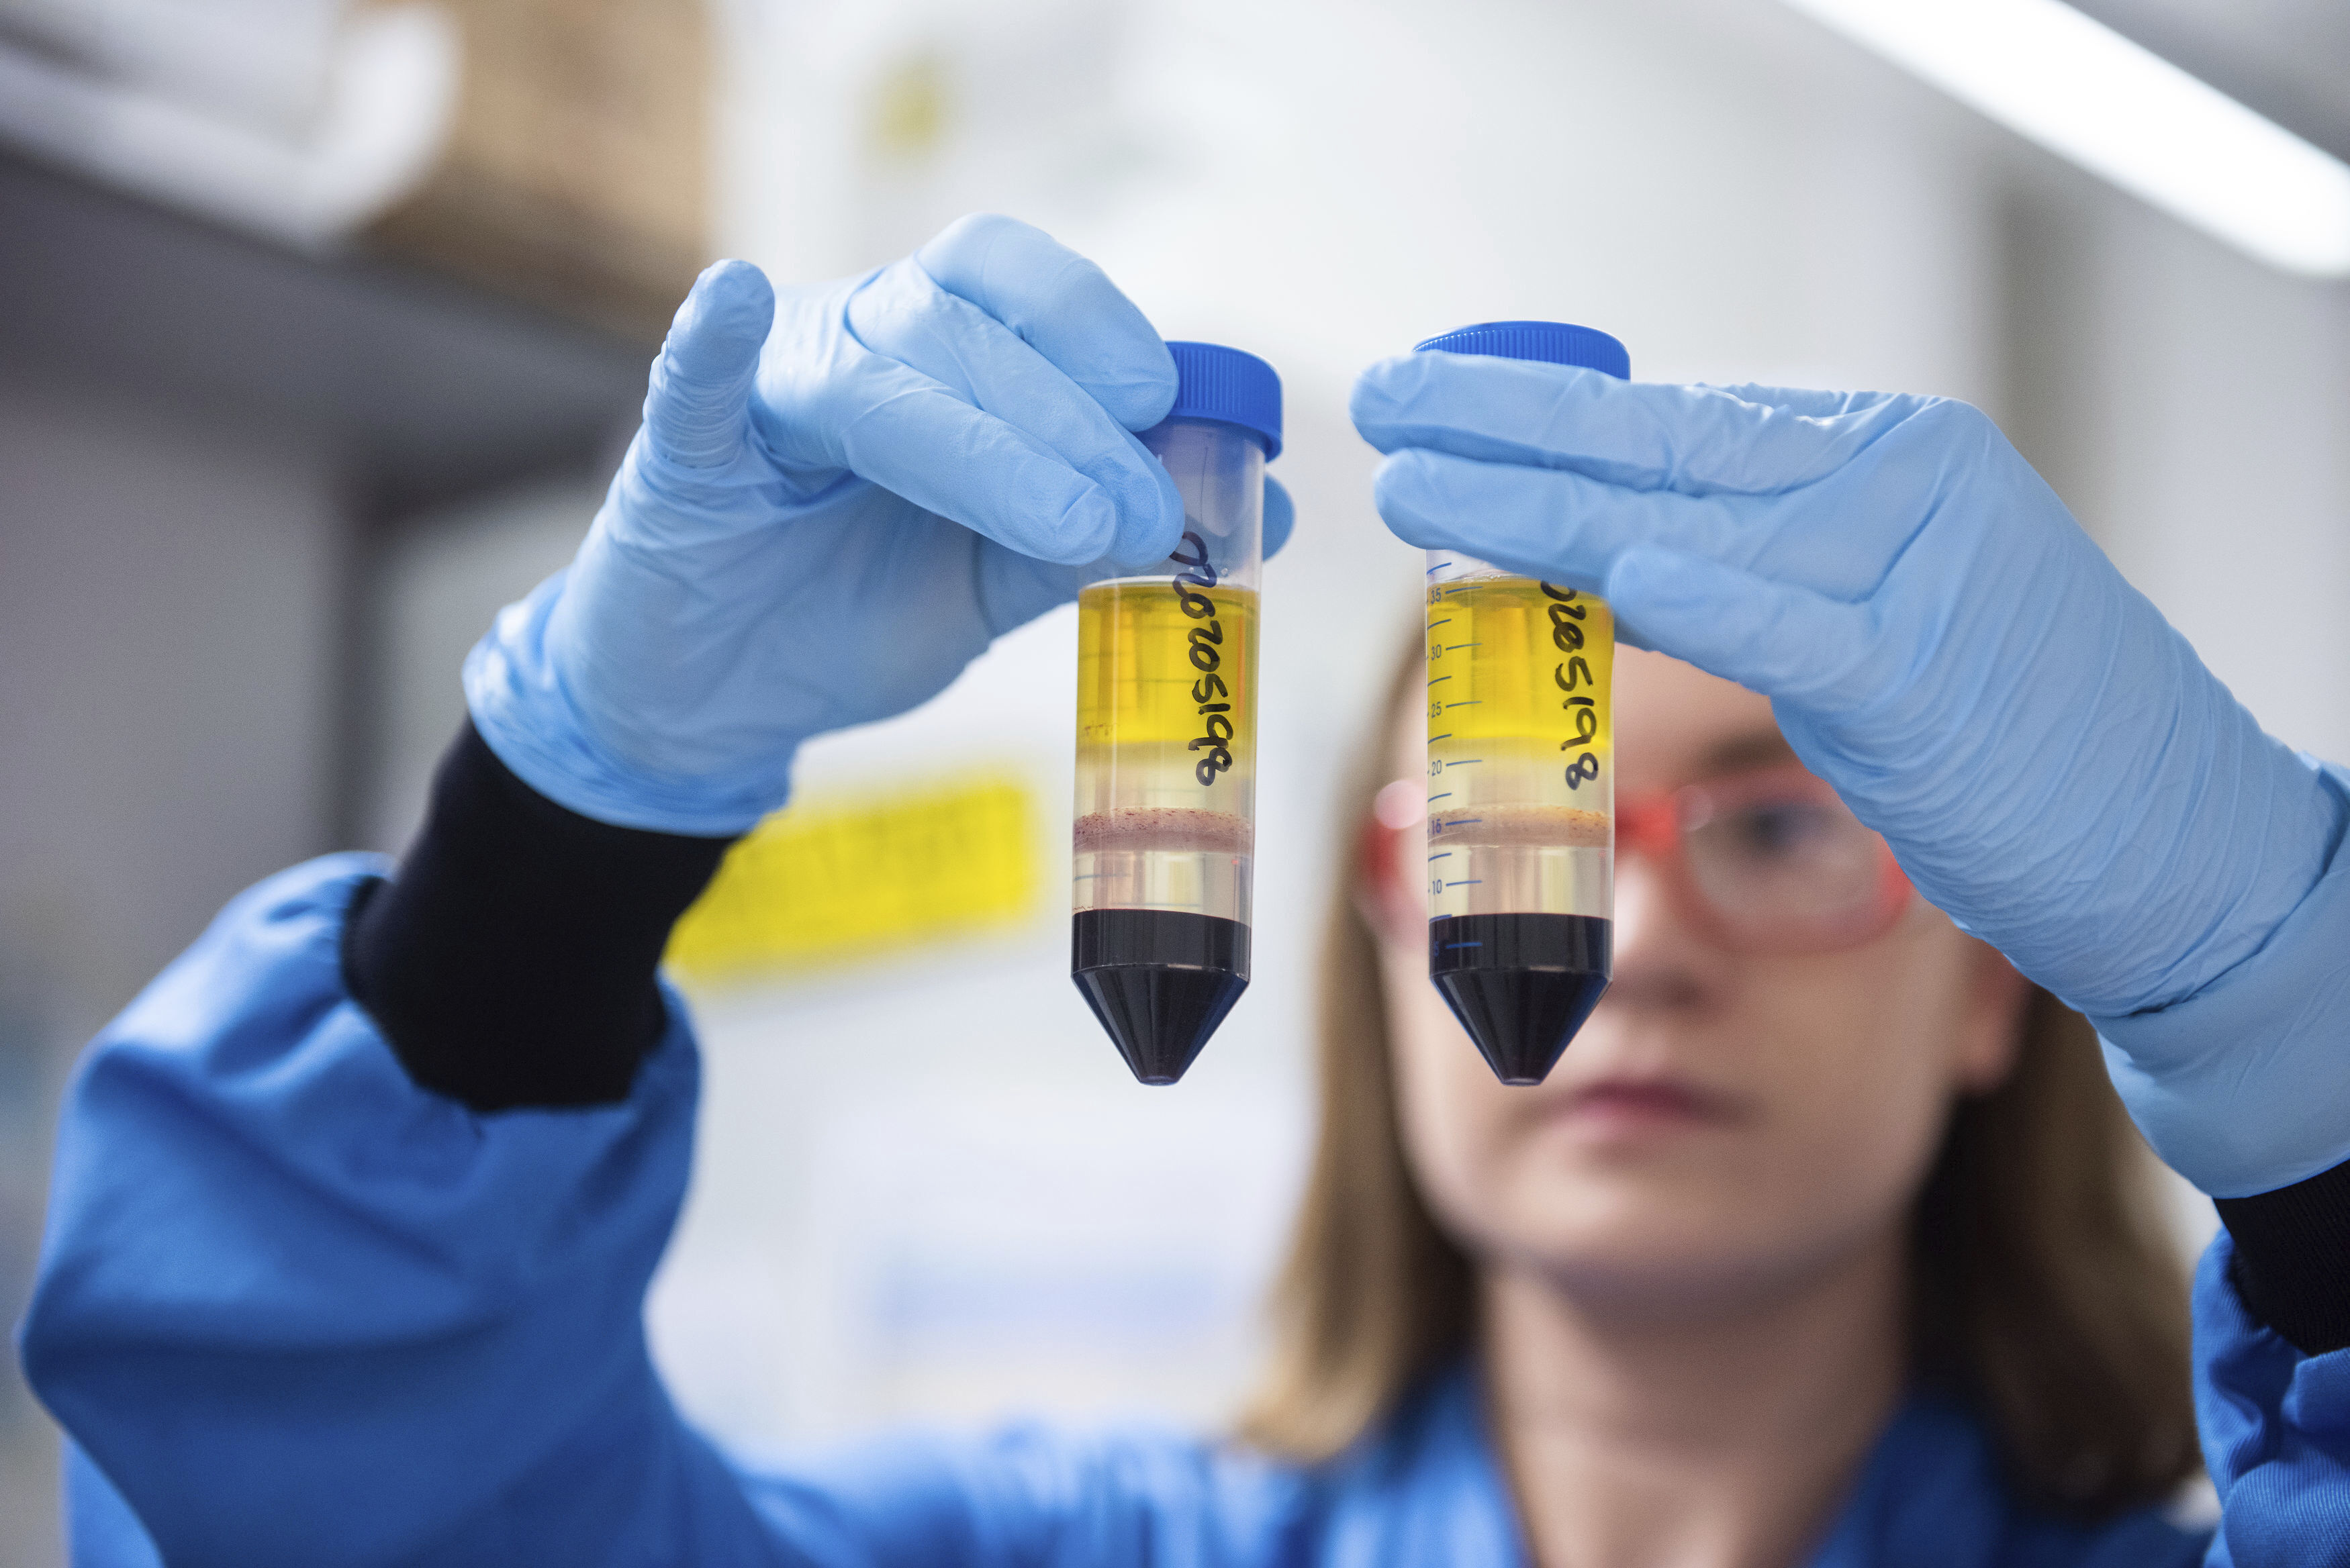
(1514, 826)
(1178, 829)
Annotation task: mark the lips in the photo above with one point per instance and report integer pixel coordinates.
(1631, 1104)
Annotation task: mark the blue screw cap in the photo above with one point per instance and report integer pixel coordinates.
(1551, 342)
(1230, 387)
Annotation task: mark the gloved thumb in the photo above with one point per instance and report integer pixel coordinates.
(697, 406)
(1280, 516)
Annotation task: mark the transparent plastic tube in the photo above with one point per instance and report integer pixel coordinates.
(1166, 777)
(1521, 807)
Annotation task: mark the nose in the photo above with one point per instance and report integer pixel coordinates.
(1639, 899)
(1658, 963)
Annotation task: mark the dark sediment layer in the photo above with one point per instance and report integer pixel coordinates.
(1160, 980)
(1521, 984)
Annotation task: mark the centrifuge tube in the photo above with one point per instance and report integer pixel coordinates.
(1167, 711)
(1521, 774)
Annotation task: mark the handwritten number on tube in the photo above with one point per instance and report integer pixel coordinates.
(1207, 656)
(1567, 614)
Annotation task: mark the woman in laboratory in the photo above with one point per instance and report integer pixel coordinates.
(1813, 1250)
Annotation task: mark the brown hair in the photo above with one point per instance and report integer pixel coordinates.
(2045, 1289)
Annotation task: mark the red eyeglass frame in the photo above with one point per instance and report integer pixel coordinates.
(1653, 824)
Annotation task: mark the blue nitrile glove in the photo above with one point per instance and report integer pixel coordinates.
(824, 532)
(2050, 761)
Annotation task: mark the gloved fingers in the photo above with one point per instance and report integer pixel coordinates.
(1280, 516)
(1062, 306)
(1014, 589)
(1809, 402)
(902, 315)
(1546, 523)
(918, 439)
(697, 404)
(1699, 441)
(1772, 637)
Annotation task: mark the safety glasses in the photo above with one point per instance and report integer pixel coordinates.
(1765, 861)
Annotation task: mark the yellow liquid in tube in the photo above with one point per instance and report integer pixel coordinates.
(1166, 748)
(1521, 749)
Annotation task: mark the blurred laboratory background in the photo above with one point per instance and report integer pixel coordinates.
(321, 324)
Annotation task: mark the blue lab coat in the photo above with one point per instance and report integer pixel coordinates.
(297, 1312)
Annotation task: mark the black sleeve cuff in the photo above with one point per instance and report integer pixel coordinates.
(2292, 1265)
(511, 961)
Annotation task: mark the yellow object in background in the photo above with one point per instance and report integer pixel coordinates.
(847, 877)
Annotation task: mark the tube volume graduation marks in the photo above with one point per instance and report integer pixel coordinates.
(1520, 859)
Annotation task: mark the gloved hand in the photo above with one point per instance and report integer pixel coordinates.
(2049, 760)
(838, 499)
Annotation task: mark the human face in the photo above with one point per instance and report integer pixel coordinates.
(1730, 1123)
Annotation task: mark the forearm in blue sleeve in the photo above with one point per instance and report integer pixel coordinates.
(2275, 1424)
(297, 1310)
(511, 961)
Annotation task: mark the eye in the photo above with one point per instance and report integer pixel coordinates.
(1781, 829)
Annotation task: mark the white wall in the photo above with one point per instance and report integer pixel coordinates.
(2221, 445)
(167, 611)
(437, 586)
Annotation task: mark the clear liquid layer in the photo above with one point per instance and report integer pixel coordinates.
(1166, 799)
(1520, 746)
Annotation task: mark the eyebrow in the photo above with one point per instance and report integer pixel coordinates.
(1756, 749)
